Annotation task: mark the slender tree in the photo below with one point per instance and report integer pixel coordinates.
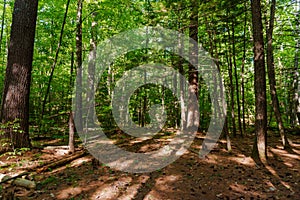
(2, 23)
(259, 152)
(15, 102)
(271, 75)
(193, 114)
(56, 58)
(78, 109)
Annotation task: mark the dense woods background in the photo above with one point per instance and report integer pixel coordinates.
(254, 44)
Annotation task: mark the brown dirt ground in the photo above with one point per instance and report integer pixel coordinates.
(221, 175)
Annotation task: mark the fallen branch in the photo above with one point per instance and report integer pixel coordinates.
(61, 162)
(5, 178)
(15, 180)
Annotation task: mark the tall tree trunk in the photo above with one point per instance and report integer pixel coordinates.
(236, 81)
(72, 129)
(15, 102)
(2, 23)
(271, 74)
(55, 59)
(91, 75)
(78, 109)
(295, 111)
(193, 114)
(182, 85)
(243, 69)
(229, 61)
(259, 152)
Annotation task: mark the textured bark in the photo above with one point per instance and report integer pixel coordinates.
(271, 75)
(259, 152)
(15, 102)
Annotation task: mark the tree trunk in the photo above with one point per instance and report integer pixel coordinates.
(2, 23)
(78, 109)
(193, 114)
(236, 81)
(271, 74)
(229, 61)
(91, 76)
(15, 102)
(72, 131)
(182, 85)
(243, 69)
(55, 59)
(259, 152)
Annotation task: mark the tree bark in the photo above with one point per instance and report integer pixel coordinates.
(271, 75)
(259, 152)
(15, 101)
(78, 109)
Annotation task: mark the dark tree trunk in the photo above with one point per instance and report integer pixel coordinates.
(271, 74)
(55, 59)
(229, 61)
(193, 114)
(295, 105)
(78, 109)
(236, 81)
(2, 23)
(243, 69)
(259, 152)
(15, 102)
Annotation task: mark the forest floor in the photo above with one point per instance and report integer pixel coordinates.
(221, 175)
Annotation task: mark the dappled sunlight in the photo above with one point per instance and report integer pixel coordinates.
(113, 190)
(274, 173)
(243, 190)
(80, 161)
(242, 159)
(69, 192)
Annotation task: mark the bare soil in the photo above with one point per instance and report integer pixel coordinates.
(221, 175)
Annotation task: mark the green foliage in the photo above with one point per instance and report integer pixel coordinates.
(216, 19)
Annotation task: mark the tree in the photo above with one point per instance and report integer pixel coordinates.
(271, 75)
(15, 102)
(259, 152)
(78, 109)
(193, 115)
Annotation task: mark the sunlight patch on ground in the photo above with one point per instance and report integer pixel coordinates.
(274, 173)
(242, 159)
(80, 161)
(242, 189)
(113, 190)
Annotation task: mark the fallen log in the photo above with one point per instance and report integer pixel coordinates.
(61, 162)
(16, 180)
